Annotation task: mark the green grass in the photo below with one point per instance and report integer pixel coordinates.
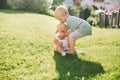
(26, 51)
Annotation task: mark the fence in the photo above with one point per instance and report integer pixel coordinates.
(110, 21)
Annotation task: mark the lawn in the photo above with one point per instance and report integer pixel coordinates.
(26, 51)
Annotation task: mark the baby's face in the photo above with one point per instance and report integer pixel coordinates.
(62, 27)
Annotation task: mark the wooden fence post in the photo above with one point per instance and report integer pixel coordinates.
(110, 23)
(106, 20)
(118, 19)
(102, 20)
(114, 20)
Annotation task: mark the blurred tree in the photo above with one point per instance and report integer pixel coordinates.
(57, 3)
(98, 0)
(3, 4)
(76, 2)
(80, 11)
(75, 9)
(34, 5)
(87, 12)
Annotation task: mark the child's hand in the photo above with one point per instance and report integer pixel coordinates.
(67, 33)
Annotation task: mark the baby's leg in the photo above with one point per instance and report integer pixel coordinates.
(59, 49)
(71, 45)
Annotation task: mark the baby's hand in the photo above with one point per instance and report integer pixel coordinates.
(60, 43)
(62, 35)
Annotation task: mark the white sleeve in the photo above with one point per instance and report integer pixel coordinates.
(56, 36)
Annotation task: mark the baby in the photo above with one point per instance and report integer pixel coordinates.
(60, 39)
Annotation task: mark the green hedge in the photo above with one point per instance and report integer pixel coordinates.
(57, 3)
(3, 4)
(82, 12)
(35, 5)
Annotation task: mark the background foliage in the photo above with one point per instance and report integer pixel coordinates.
(41, 6)
(57, 3)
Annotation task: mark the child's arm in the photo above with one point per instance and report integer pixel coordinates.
(67, 33)
(57, 42)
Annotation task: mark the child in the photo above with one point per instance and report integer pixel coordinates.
(60, 39)
(78, 27)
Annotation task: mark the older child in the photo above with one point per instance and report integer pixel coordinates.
(78, 27)
(60, 39)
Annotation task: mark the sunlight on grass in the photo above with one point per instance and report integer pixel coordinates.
(26, 51)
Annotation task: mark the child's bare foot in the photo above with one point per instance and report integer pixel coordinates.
(70, 52)
(79, 52)
(76, 51)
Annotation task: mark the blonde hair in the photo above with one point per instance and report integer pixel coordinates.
(60, 24)
(62, 10)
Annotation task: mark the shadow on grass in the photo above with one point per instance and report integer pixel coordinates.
(70, 67)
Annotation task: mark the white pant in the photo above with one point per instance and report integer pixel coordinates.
(75, 35)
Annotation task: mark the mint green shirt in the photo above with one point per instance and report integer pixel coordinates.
(75, 23)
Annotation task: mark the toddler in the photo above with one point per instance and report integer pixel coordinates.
(78, 27)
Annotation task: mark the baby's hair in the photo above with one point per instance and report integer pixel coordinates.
(59, 25)
(62, 9)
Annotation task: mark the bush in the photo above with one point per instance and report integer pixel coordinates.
(74, 11)
(41, 5)
(3, 4)
(35, 5)
(93, 20)
(78, 11)
(57, 3)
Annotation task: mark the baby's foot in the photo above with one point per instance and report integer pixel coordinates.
(63, 53)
